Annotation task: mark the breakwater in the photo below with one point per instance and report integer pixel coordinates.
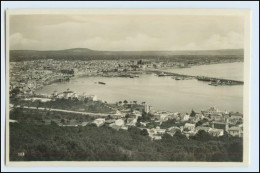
(212, 80)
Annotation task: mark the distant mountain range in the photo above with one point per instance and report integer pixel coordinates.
(86, 51)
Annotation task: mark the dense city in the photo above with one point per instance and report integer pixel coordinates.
(28, 76)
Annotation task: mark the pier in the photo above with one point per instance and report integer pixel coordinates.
(212, 80)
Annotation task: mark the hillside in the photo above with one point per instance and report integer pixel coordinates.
(85, 53)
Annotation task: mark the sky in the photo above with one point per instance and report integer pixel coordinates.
(126, 32)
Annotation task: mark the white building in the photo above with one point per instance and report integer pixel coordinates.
(119, 122)
(131, 121)
(172, 130)
(89, 97)
(235, 131)
(99, 122)
(124, 128)
(114, 126)
(206, 129)
(185, 117)
(199, 116)
(119, 114)
(174, 115)
(55, 94)
(216, 117)
(212, 110)
(189, 127)
(75, 95)
(162, 116)
(147, 108)
(68, 94)
(92, 97)
(143, 123)
(137, 113)
(216, 132)
(157, 130)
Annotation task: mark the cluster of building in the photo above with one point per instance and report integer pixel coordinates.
(28, 76)
(68, 94)
(212, 121)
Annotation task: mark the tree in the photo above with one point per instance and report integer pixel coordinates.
(139, 119)
(193, 113)
(62, 121)
(202, 136)
(138, 124)
(168, 123)
(166, 137)
(145, 116)
(179, 135)
(134, 130)
(38, 103)
(199, 123)
(140, 62)
(92, 125)
(109, 117)
(235, 150)
(225, 137)
(53, 123)
(144, 132)
(14, 92)
(127, 116)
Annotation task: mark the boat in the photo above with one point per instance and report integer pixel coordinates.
(164, 74)
(214, 84)
(202, 78)
(103, 83)
(161, 74)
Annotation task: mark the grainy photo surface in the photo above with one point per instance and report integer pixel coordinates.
(127, 85)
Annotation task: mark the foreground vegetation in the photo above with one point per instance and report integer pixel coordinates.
(41, 117)
(41, 142)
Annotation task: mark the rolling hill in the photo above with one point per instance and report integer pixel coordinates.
(16, 55)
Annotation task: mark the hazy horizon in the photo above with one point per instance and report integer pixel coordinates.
(123, 50)
(126, 32)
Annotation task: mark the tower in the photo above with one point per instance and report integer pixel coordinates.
(212, 125)
(227, 126)
(55, 93)
(146, 108)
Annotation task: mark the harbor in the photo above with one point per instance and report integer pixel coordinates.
(212, 80)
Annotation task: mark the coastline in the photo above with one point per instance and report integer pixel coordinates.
(146, 71)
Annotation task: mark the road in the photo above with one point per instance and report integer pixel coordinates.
(67, 111)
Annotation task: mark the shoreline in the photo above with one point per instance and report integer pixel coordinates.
(135, 72)
(148, 71)
(112, 76)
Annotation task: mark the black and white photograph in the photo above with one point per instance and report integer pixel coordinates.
(127, 86)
